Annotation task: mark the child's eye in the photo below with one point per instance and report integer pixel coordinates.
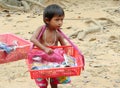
(57, 19)
(61, 19)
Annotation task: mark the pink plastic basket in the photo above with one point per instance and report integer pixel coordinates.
(61, 71)
(18, 54)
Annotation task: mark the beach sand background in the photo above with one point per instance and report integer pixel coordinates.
(101, 48)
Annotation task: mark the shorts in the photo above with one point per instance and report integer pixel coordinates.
(43, 83)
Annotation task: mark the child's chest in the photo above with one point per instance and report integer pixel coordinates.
(50, 38)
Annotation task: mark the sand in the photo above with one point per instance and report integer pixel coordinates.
(100, 48)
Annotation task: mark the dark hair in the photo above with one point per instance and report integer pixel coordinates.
(52, 10)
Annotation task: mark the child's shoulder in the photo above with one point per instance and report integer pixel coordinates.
(58, 34)
(41, 27)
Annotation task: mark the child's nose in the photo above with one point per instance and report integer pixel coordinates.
(60, 22)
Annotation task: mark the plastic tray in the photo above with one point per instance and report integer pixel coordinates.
(56, 72)
(19, 53)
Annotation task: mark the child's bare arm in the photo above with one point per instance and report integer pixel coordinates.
(61, 40)
(37, 43)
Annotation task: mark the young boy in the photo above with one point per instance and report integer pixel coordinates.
(53, 18)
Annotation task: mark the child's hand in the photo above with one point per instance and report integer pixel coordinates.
(48, 50)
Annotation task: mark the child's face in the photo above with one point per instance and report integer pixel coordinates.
(56, 22)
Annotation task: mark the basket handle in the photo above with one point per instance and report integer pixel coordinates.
(72, 45)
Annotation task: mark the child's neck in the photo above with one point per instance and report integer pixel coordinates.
(50, 29)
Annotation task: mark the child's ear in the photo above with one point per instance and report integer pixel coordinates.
(46, 20)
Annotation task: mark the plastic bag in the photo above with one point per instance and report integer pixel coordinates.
(57, 56)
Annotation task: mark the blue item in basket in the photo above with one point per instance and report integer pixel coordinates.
(35, 68)
(5, 47)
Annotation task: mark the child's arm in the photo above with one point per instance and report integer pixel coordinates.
(61, 40)
(36, 42)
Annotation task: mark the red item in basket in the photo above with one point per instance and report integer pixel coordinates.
(56, 56)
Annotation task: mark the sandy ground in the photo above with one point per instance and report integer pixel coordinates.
(101, 49)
